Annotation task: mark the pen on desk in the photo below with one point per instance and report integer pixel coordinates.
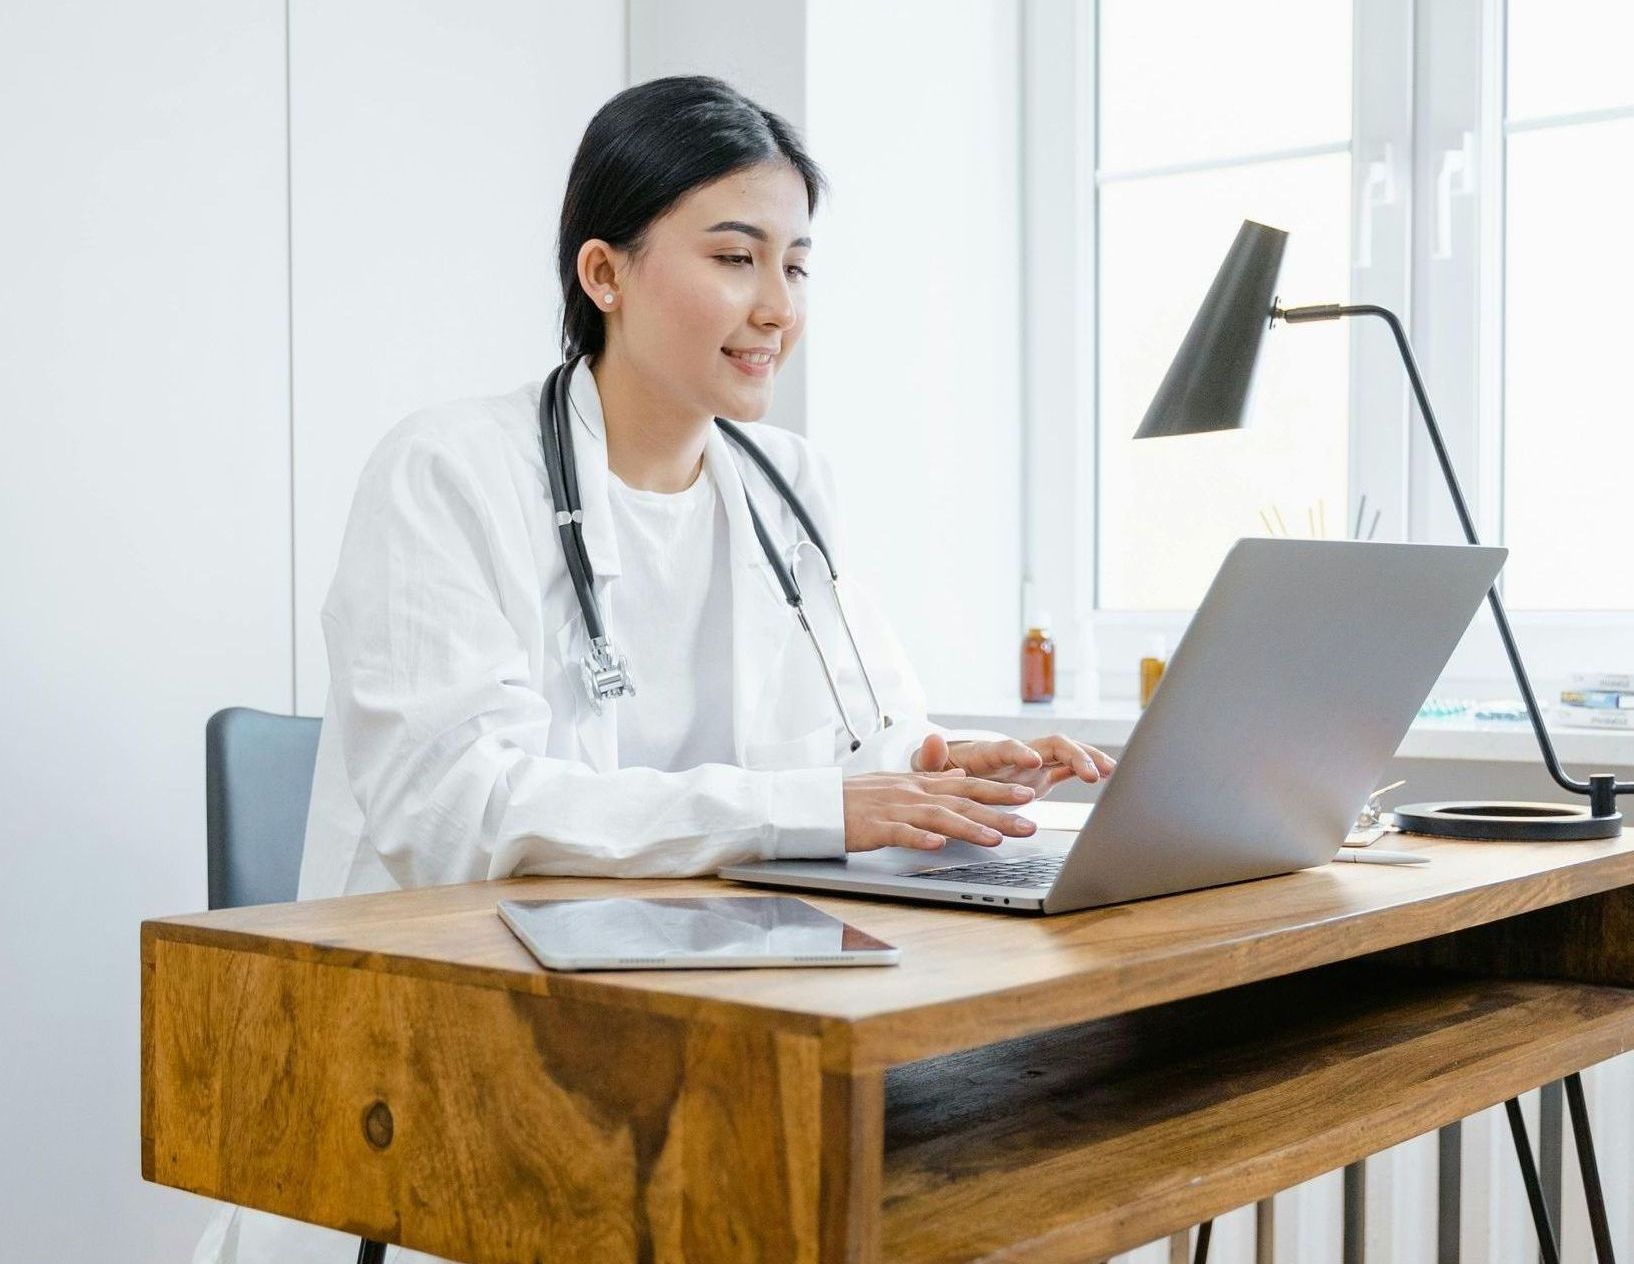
(1372, 856)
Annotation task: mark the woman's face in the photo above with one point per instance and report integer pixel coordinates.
(722, 273)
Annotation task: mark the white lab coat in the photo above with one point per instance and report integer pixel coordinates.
(457, 742)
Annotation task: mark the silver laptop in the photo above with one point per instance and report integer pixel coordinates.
(1291, 689)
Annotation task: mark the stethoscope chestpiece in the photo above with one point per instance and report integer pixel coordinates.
(605, 674)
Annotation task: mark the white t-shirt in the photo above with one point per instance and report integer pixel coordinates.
(672, 619)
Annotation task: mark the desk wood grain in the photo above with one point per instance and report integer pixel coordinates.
(968, 977)
(398, 1066)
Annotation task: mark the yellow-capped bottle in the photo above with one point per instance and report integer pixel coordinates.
(1151, 670)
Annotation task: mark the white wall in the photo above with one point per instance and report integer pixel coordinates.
(908, 377)
(146, 496)
(914, 355)
(144, 509)
(765, 59)
(430, 149)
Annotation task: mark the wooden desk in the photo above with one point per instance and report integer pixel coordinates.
(1051, 1089)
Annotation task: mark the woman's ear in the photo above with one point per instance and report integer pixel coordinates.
(600, 266)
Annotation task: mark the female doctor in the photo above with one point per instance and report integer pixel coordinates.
(533, 677)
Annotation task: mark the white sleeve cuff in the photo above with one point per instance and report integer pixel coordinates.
(807, 815)
(893, 749)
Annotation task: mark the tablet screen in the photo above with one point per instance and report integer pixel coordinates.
(703, 931)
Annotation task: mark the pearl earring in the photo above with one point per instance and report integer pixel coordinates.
(606, 298)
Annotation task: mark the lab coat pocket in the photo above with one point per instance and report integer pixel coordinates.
(562, 682)
(810, 750)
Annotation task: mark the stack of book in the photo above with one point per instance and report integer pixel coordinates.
(1597, 700)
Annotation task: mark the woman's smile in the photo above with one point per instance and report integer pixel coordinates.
(753, 363)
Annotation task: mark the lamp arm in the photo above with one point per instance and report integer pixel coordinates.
(1602, 788)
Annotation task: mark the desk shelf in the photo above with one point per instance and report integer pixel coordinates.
(1083, 1142)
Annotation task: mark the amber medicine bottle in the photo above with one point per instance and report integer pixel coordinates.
(1038, 664)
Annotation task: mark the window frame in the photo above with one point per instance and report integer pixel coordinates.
(1427, 198)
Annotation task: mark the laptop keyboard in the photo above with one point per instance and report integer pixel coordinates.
(1030, 871)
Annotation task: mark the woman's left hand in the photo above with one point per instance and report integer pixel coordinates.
(1041, 763)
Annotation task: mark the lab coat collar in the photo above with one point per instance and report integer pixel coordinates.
(761, 618)
(722, 465)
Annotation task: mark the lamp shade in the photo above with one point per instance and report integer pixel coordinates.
(1207, 387)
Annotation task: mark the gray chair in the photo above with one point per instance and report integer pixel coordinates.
(257, 785)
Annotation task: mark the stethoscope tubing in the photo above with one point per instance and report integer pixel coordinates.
(561, 469)
(775, 477)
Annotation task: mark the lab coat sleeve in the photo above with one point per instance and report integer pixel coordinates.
(901, 695)
(445, 737)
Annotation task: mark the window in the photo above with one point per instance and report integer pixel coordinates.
(1468, 164)
(1568, 413)
(1190, 145)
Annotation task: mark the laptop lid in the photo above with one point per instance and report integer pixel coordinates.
(1293, 686)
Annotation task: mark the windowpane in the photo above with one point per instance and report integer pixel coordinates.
(1183, 80)
(1568, 339)
(1170, 508)
(1569, 55)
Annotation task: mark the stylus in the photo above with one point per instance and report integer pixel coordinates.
(1373, 856)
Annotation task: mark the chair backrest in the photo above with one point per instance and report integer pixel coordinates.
(257, 785)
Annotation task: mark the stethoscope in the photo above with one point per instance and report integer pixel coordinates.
(604, 672)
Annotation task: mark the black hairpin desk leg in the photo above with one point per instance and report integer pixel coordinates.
(1534, 1187)
(1589, 1168)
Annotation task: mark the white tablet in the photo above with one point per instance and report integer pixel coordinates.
(696, 933)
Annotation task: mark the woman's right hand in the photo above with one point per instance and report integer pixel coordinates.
(924, 810)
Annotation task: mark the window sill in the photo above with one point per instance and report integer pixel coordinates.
(1110, 723)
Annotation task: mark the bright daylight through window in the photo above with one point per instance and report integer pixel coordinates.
(1568, 414)
(1196, 133)
(1191, 143)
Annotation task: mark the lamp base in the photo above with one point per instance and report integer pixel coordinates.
(1523, 822)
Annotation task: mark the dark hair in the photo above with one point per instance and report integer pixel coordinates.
(642, 152)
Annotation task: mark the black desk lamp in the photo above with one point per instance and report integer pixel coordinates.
(1207, 388)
